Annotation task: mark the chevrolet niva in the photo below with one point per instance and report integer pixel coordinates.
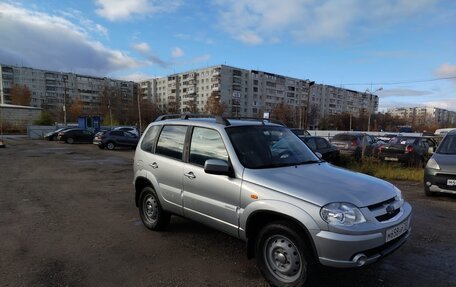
(257, 181)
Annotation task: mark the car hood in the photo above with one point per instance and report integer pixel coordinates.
(323, 183)
(447, 162)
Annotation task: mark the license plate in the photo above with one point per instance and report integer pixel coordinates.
(396, 231)
(451, 182)
(391, 158)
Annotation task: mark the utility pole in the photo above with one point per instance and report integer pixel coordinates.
(309, 85)
(65, 77)
(139, 115)
(370, 105)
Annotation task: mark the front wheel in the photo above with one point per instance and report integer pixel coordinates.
(152, 214)
(110, 146)
(70, 140)
(282, 255)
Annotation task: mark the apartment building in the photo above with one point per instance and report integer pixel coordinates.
(424, 115)
(251, 93)
(53, 90)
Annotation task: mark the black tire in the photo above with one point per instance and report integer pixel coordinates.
(152, 214)
(283, 256)
(69, 140)
(427, 191)
(110, 145)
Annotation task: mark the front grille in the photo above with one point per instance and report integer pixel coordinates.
(388, 216)
(441, 179)
(381, 204)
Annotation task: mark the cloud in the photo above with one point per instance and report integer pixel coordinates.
(142, 47)
(53, 42)
(445, 70)
(88, 24)
(135, 77)
(252, 21)
(177, 52)
(403, 92)
(115, 10)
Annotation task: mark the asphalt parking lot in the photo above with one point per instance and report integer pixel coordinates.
(68, 218)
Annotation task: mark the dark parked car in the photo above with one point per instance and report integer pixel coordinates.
(408, 149)
(328, 151)
(353, 143)
(116, 138)
(52, 136)
(132, 130)
(76, 136)
(440, 171)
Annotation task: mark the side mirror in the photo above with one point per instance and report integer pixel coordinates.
(319, 155)
(217, 166)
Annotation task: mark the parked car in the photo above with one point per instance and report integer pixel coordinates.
(410, 150)
(75, 135)
(353, 143)
(52, 136)
(132, 130)
(329, 152)
(259, 182)
(440, 171)
(115, 138)
(387, 137)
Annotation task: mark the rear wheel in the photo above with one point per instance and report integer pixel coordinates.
(152, 214)
(282, 255)
(110, 146)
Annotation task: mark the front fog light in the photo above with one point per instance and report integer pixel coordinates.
(341, 213)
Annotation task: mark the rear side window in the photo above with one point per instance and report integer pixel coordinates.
(149, 138)
(322, 143)
(206, 144)
(171, 141)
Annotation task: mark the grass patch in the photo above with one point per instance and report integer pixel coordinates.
(381, 169)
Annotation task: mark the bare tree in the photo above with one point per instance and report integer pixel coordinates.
(283, 113)
(213, 105)
(75, 109)
(20, 95)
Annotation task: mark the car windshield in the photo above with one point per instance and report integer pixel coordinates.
(269, 146)
(448, 145)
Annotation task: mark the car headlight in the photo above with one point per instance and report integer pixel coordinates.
(398, 194)
(432, 163)
(342, 214)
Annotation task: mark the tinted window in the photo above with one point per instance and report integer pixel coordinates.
(171, 141)
(311, 143)
(116, 133)
(448, 145)
(322, 143)
(206, 144)
(399, 140)
(149, 138)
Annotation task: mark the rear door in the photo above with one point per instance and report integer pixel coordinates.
(165, 166)
(208, 198)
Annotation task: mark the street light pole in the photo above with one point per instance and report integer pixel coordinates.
(65, 77)
(139, 115)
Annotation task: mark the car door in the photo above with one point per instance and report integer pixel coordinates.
(208, 198)
(165, 166)
(130, 139)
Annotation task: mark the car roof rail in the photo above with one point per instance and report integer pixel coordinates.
(262, 120)
(218, 119)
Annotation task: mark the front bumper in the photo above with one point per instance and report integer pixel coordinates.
(436, 181)
(342, 250)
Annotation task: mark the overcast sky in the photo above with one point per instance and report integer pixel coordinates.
(405, 47)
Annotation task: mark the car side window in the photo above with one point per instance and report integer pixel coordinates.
(149, 138)
(311, 143)
(171, 141)
(206, 144)
(322, 143)
(117, 133)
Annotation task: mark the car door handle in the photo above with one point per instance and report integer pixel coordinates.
(190, 175)
(154, 165)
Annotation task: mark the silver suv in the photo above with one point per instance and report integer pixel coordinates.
(259, 182)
